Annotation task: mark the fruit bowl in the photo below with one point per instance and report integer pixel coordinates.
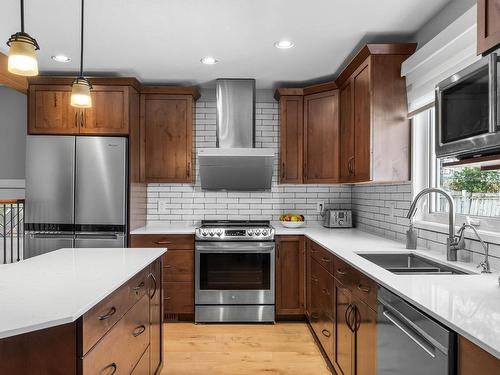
(292, 224)
(292, 220)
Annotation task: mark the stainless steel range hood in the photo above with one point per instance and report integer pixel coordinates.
(235, 164)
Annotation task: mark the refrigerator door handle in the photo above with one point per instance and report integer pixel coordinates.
(60, 235)
(97, 236)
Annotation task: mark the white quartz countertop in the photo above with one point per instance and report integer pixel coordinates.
(468, 304)
(60, 286)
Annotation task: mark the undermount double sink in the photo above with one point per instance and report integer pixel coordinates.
(411, 264)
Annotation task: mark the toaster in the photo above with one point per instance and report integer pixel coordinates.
(337, 218)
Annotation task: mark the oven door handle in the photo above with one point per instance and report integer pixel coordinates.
(239, 247)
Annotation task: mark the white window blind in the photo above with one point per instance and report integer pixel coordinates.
(451, 50)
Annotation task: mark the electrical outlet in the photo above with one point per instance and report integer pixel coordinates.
(320, 206)
(163, 206)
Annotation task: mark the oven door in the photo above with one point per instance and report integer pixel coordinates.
(467, 121)
(234, 273)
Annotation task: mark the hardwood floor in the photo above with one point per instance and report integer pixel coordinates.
(280, 349)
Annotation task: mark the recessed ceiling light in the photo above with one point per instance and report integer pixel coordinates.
(208, 60)
(61, 58)
(284, 44)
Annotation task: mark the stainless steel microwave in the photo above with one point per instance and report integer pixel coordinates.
(467, 110)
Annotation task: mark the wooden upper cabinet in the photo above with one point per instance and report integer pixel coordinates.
(166, 138)
(362, 124)
(109, 113)
(290, 269)
(50, 112)
(488, 25)
(321, 137)
(346, 162)
(291, 139)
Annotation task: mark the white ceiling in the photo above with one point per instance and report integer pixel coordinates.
(162, 41)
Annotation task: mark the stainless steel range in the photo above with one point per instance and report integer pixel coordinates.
(234, 272)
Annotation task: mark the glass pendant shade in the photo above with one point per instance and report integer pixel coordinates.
(80, 93)
(22, 55)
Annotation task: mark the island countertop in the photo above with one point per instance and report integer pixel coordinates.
(58, 287)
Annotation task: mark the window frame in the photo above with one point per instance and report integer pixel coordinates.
(425, 169)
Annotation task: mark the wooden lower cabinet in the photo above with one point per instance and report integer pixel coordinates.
(177, 273)
(290, 269)
(341, 314)
(122, 334)
(155, 351)
(472, 360)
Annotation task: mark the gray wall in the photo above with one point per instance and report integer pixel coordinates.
(453, 10)
(13, 119)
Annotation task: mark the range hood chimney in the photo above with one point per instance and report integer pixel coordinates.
(236, 164)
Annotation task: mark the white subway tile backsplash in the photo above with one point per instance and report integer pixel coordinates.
(188, 202)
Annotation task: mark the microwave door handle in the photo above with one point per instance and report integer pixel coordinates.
(493, 94)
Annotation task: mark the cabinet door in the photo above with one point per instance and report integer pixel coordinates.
(155, 316)
(344, 334)
(290, 254)
(291, 139)
(166, 124)
(308, 277)
(109, 112)
(50, 111)
(321, 135)
(488, 25)
(366, 339)
(362, 123)
(346, 133)
(472, 360)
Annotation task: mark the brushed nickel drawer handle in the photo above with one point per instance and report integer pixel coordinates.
(314, 279)
(314, 316)
(168, 266)
(326, 333)
(327, 260)
(168, 298)
(364, 289)
(325, 291)
(113, 367)
(109, 314)
(342, 272)
(138, 287)
(162, 242)
(139, 330)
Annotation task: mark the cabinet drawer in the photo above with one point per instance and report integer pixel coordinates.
(178, 298)
(361, 285)
(178, 266)
(171, 242)
(120, 350)
(323, 256)
(142, 367)
(98, 320)
(322, 285)
(323, 328)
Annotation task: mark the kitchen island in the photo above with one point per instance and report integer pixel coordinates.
(82, 311)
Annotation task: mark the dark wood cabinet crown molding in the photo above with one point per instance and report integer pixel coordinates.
(171, 90)
(96, 81)
(374, 49)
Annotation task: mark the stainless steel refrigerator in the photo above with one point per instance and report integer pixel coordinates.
(76, 193)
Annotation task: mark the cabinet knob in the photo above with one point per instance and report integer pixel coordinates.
(326, 333)
(139, 330)
(364, 289)
(109, 369)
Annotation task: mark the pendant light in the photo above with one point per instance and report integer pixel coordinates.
(22, 52)
(80, 92)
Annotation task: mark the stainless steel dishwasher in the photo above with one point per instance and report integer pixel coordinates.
(409, 342)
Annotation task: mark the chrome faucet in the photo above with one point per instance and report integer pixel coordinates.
(485, 264)
(452, 241)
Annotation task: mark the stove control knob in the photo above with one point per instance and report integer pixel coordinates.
(204, 233)
(257, 232)
(249, 232)
(219, 232)
(212, 233)
(264, 232)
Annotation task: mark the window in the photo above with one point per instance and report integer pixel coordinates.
(476, 192)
